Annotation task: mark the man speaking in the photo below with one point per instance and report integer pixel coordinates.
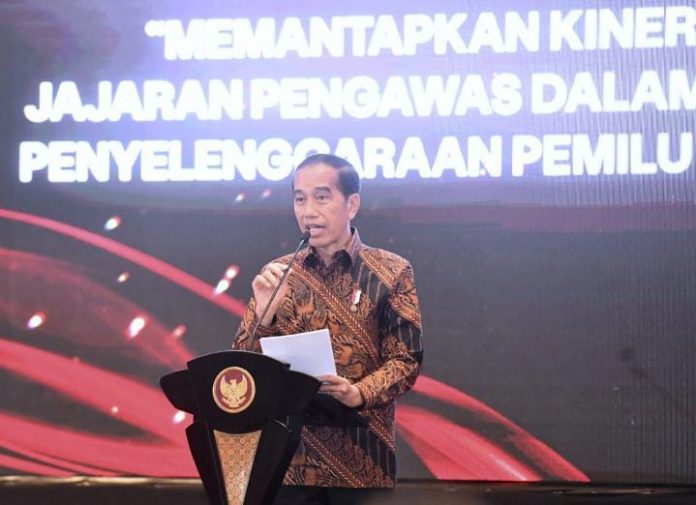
(366, 297)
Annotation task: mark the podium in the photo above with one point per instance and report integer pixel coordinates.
(248, 413)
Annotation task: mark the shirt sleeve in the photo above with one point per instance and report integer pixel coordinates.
(401, 345)
(247, 324)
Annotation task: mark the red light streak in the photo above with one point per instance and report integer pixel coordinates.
(135, 256)
(451, 451)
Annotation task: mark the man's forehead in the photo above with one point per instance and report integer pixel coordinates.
(316, 177)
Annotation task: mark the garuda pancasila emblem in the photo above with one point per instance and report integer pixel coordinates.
(233, 392)
(234, 389)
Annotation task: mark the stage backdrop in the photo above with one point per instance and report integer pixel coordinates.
(533, 159)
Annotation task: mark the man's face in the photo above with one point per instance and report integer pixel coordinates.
(321, 208)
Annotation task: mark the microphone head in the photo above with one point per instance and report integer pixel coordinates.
(305, 236)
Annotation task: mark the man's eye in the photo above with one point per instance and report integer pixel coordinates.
(299, 199)
(322, 198)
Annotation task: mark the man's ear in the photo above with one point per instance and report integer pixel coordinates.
(353, 205)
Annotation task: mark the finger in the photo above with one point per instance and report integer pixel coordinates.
(332, 390)
(276, 268)
(331, 379)
(278, 274)
(261, 282)
(338, 391)
(271, 279)
(328, 387)
(272, 276)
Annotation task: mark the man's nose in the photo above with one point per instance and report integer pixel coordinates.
(310, 208)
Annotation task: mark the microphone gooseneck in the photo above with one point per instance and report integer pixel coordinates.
(250, 341)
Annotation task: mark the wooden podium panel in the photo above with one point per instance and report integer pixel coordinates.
(248, 411)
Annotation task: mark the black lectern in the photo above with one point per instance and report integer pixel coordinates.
(248, 411)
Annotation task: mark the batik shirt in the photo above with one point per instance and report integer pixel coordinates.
(367, 299)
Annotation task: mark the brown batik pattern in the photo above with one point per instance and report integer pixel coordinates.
(377, 346)
(237, 452)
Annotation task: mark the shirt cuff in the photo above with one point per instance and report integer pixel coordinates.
(264, 331)
(366, 393)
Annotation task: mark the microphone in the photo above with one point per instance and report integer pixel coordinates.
(303, 240)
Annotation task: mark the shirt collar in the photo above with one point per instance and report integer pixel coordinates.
(350, 251)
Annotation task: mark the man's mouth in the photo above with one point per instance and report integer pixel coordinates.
(314, 228)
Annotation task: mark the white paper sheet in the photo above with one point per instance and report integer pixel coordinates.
(309, 352)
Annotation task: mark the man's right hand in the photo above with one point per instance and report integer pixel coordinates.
(263, 286)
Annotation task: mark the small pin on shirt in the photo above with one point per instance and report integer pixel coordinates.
(356, 300)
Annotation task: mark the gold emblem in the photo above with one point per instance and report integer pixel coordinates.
(234, 389)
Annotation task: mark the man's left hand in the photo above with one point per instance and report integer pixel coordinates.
(341, 389)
